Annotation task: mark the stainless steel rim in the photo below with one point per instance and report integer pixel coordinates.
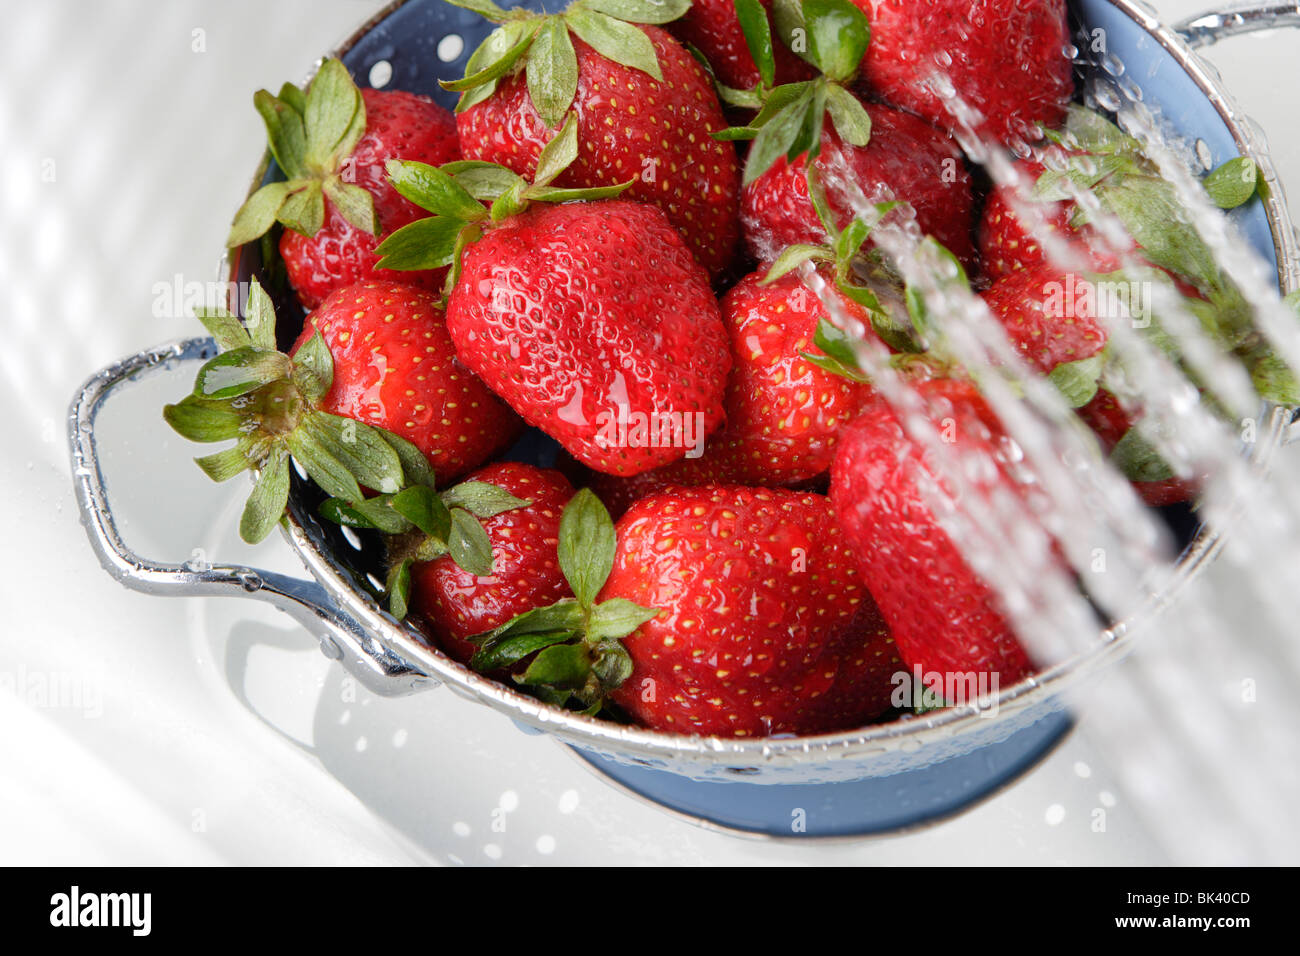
(654, 747)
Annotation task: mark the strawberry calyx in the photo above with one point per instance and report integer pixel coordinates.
(1095, 155)
(422, 524)
(790, 117)
(456, 192)
(542, 46)
(268, 403)
(576, 643)
(311, 135)
(863, 276)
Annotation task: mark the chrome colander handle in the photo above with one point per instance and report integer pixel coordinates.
(1214, 25)
(341, 638)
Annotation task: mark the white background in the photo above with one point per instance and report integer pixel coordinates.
(213, 731)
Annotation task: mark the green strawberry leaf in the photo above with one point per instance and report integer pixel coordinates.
(226, 464)
(303, 210)
(1151, 212)
(314, 455)
(204, 420)
(513, 649)
(785, 134)
(758, 38)
(265, 506)
(285, 133)
(558, 194)
(611, 667)
(1091, 132)
(494, 58)
(484, 8)
(414, 465)
(374, 514)
(849, 116)
(239, 372)
(615, 40)
(788, 18)
(398, 587)
(259, 317)
(293, 97)
(586, 545)
(1078, 381)
(314, 356)
(792, 257)
(421, 506)
(1137, 459)
(354, 204)
(564, 666)
(839, 357)
(838, 35)
(617, 617)
(424, 244)
(1273, 378)
(334, 118)
(483, 181)
(482, 499)
(228, 331)
(556, 155)
(434, 189)
(552, 71)
(1234, 183)
(564, 615)
(468, 543)
(358, 447)
(640, 11)
(258, 214)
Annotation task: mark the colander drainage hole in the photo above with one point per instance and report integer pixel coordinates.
(380, 74)
(450, 47)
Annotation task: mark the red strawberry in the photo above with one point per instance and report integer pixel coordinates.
(905, 159)
(586, 316)
(1049, 315)
(1005, 58)
(337, 205)
(399, 125)
(783, 411)
(1053, 318)
(712, 27)
(631, 126)
(1007, 244)
(456, 604)
(945, 619)
(395, 368)
(764, 627)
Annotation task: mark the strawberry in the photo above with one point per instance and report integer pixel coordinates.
(765, 628)
(1152, 479)
(819, 127)
(1007, 244)
(945, 619)
(713, 27)
(455, 604)
(783, 410)
(332, 143)
(570, 653)
(269, 404)
(1006, 59)
(906, 158)
(591, 319)
(395, 368)
(1052, 317)
(794, 375)
(645, 110)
